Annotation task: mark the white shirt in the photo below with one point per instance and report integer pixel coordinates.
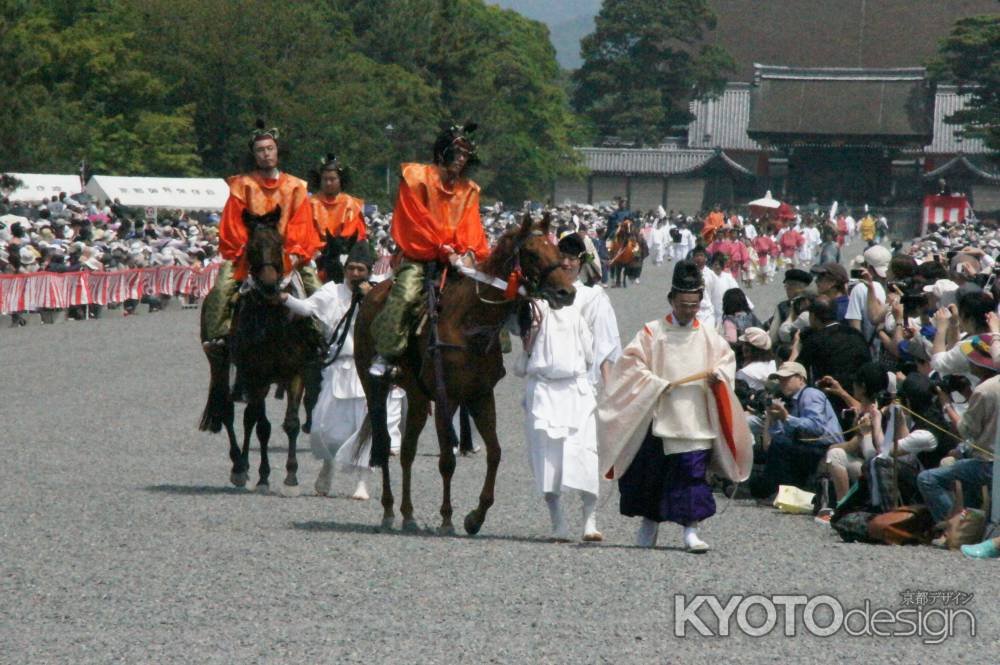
(857, 307)
(756, 373)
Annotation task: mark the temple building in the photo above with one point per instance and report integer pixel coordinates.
(830, 101)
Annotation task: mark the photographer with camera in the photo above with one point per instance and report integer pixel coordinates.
(957, 322)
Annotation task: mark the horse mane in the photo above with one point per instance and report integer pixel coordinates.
(498, 263)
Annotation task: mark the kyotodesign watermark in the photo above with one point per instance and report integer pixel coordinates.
(932, 616)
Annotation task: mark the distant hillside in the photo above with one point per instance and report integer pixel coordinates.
(569, 21)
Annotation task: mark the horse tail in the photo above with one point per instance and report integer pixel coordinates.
(378, 421)
(219, 406)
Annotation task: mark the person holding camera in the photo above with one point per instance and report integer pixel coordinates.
(977, 426)
(336, 435)
(799, 430)
(955, 323)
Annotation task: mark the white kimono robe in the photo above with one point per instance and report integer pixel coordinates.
(686, 418)
(594, 304)
(341, 409)
(560, 402)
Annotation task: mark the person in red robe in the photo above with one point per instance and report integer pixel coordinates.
(435, 221)
(260, 191)
(334, 211)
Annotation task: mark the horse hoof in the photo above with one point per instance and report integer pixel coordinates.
(263, 488)
(472, 525)
(446, 530)
(238, 479)
(291, 491)
(386, 524)
(410, 526)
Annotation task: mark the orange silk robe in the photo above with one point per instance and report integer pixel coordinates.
(341, 216)
(714, 222)
(428, 216)
(260, 196)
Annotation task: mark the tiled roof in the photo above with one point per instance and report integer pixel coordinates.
(642, 161)
(945, 141)
(722, 122)
(881, 105)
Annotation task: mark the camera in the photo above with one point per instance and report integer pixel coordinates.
(857, 273)
(951, 383)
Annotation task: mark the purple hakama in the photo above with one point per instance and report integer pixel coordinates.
(667, 488)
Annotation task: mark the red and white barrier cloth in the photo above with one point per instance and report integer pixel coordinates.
(48, 290)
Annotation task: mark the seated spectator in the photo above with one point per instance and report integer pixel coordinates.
(758, 361)
(844, 461)
(798, 435)
(978, 425)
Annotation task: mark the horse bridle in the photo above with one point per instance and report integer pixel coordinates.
(532, 285)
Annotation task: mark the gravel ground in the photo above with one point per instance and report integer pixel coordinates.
(122, 540)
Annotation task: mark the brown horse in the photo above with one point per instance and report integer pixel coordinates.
(265, 346)
(471, 316)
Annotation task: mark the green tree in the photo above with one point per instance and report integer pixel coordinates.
(970, 58)
(642, 65)
(75, 89)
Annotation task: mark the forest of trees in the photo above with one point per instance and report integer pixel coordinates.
(172, 87)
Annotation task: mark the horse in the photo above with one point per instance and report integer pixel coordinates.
(265, 345)
(471, 317)
(331, 269)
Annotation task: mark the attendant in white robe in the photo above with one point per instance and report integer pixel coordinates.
(710, 311)
(659, 239)
(564, 360)
(337, 436)
(669, 415)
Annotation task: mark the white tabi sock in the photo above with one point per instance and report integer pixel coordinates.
(691, 540)
(647, 533)
(589, 513)
(559, 528)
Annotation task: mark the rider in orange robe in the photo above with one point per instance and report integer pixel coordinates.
(260, 191)
(334, 211)
(713, 222)
(436, 220)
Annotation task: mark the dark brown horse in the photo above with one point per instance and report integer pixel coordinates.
(265, 346)
(471, 316)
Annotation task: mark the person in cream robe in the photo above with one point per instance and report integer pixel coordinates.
(669, 415)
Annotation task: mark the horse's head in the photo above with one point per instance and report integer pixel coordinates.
(265, 250)
(330, 260)
(527, 251)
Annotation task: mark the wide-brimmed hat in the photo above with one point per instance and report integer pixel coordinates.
(976, 350)
(756, 337)
(834, 271)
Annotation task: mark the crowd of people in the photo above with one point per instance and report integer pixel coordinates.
(64, 235)
(875, 385)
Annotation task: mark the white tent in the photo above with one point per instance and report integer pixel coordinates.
(153, 192)
(37, 187)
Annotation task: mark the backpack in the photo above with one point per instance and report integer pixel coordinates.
(853, 527)
(906, 525)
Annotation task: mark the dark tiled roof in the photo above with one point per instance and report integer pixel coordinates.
(722, 123)
(653, 161)
(961, 162)
(832, 104)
